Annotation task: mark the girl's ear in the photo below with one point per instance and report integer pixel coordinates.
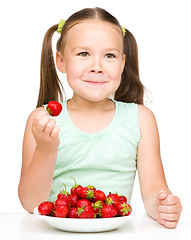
(60, 62)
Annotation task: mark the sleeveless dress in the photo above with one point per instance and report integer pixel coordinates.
(106, 159)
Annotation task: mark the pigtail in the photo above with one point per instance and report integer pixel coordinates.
(131, 89)
(50, 85)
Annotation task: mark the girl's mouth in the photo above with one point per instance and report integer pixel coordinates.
(95, 82)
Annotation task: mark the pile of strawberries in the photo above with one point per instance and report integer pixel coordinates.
(86, 202)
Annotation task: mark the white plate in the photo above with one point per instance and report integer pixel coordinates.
(82, 224)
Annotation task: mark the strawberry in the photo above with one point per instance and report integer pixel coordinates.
(62, 202)
(76, 188)
(73, 212)
(61, 211)
(54, 108)
(99, 196)
(46, 208)
(64, 194)
(91, 187)
(112, 199)
(108, 211)
(123, 209)
(83, 203)
(86, 212)
(97, 206)
(74, 199)
(86, 192)
(122, 199)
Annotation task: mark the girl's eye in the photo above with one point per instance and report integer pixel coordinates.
(84, 54)
(109, 55)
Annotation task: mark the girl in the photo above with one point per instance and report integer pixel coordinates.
(97, 139)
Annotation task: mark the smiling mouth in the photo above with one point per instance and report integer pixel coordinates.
(95, 82)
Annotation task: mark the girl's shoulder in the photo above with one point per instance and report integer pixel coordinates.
(146, 118)
(144, 111)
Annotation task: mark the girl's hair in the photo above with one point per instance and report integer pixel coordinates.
(130, 90)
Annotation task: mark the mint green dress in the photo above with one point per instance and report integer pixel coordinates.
(106, 159)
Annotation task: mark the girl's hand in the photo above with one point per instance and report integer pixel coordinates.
(169, 209)
(45, 132)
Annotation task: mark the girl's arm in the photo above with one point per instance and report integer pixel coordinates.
(158, 200)
(39, 155)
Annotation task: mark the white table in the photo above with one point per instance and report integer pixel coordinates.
(25, 226)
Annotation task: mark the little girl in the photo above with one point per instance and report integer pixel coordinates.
(98, 139)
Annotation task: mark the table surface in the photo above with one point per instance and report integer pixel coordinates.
(22, 226)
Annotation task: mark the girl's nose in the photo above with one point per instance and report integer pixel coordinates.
(96, 66)
(95, 71)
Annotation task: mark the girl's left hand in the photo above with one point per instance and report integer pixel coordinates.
(169, 209)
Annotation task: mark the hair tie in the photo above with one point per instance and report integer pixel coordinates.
(60, 25)
(123, 30)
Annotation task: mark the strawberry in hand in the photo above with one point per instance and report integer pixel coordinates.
(54, 108)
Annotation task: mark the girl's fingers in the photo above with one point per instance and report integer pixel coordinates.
(39, 116)
(49, 127)
(170, 217)
(169, 200)
(55, 132)
(42, 122)
(169, 224)
(168, 209)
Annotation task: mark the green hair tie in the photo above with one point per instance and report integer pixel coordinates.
(124, 30)
(60, 25)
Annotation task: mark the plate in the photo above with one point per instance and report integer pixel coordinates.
(83, 224)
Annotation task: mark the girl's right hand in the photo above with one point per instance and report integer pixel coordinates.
(45, 132)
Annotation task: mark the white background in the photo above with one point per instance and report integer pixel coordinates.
(162, 30)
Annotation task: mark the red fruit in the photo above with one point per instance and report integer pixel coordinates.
(86, 212)
(108, 211)
(74, 199)
(46, 208)
(54, 108)
(64, 194)
(73, 212)
(76, 188)
(97, 206)
(83, 203)
(91, 187)
(112, 199)
(62, 202)
(86, 193)
(123, 209)
(122, 199)
(61, 211)
(99, 196)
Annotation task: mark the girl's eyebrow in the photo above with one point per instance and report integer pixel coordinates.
(81, 48)
(89, 49)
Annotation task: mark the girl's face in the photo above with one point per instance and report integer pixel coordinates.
(93, 59)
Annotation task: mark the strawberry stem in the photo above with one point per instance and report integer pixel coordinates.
(64, 187)
(74, 180)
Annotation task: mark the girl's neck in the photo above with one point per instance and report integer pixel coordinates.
(81, 104)
(91, 116)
